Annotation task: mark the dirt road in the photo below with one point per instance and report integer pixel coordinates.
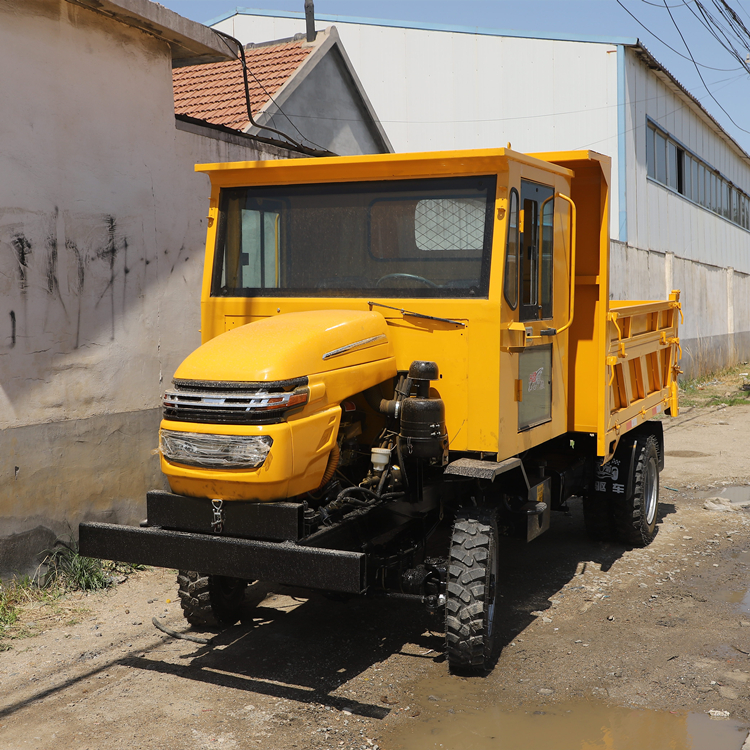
(663, 628)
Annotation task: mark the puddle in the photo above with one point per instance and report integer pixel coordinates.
(739, 494)
(580, 725)
(741, 597)
(735, 494)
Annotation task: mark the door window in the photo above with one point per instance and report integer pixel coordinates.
(536, 264)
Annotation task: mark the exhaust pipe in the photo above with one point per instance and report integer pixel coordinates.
(310, 20)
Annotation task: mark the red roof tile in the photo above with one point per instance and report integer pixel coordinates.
(215, 92)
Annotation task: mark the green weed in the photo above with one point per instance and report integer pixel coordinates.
(8, 610)
(68, 570)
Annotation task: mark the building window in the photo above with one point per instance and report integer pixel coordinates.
(669, 164)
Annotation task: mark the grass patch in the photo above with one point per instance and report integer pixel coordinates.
(12, 597)
(66, 570)
(723, 388)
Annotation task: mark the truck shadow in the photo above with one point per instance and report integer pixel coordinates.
(306, 649)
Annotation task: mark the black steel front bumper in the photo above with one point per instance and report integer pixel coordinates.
(276, 562)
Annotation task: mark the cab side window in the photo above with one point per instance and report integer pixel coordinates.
(510, 286)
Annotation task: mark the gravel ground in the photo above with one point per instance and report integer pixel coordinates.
(662, 628)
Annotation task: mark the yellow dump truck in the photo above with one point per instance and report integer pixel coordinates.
(405, 358)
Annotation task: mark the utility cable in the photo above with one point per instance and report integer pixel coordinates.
(278, 106)
(289, 143)
(715, 28)
(697, 70)
(658, 39)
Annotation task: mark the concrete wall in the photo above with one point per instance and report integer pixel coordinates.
(102, 227)
(715, 301)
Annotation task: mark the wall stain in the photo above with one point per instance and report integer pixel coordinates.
(81, 263)
(53, 285)
(22, 249)
(12, 329)
(182, 249)
(109, 253)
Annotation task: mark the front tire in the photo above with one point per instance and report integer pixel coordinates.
(471, 592)
(635, 516)
(210, 601)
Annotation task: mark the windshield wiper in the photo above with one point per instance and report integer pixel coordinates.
(417, 315)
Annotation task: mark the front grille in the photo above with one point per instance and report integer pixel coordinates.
(212, 402)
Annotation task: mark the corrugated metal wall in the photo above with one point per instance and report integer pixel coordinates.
(710, 259)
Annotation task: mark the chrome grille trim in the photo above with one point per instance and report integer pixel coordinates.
(242, 401)
(225, 403)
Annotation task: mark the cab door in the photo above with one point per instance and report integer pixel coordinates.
(535, 303)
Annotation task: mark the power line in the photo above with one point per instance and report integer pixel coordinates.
(716, 29)
(290, 142)
(278, 106)
(697, 69)
(708, 67)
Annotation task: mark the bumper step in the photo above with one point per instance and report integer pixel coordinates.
(273, 562)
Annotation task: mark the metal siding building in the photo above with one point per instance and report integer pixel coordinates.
(444, 88)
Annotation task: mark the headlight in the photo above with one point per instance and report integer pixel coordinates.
(214, 451)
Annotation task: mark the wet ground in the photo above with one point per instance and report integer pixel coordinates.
(600, 647)
(470, 724)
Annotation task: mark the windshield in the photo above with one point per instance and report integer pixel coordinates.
(406, 238)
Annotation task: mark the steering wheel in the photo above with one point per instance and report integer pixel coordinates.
(406, 276)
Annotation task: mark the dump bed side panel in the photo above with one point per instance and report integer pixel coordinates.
(623, 355)
(642, 355)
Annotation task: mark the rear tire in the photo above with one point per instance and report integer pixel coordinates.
(210, 601)
(635, 516)
(471, 592)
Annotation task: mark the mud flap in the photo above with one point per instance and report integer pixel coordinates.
(538, 523)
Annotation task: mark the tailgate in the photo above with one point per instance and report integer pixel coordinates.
(642, 355)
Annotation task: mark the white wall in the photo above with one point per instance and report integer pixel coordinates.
(444, 90)
(102, 227)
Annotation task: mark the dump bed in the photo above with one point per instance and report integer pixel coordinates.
(623, 355)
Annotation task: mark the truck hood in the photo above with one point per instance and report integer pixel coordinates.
(290, 346)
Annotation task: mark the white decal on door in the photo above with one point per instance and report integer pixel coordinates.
(536, 381)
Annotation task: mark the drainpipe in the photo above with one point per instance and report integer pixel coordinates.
(310, 20)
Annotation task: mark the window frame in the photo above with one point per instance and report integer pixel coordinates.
(691, 177)
(506, 275)
(487, 181)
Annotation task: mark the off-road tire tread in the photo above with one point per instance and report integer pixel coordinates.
(628, 512)
(195, 599)
(467, 646)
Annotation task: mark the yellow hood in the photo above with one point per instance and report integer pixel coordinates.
(290, 346)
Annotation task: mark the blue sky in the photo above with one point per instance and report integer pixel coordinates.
(730, 84)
